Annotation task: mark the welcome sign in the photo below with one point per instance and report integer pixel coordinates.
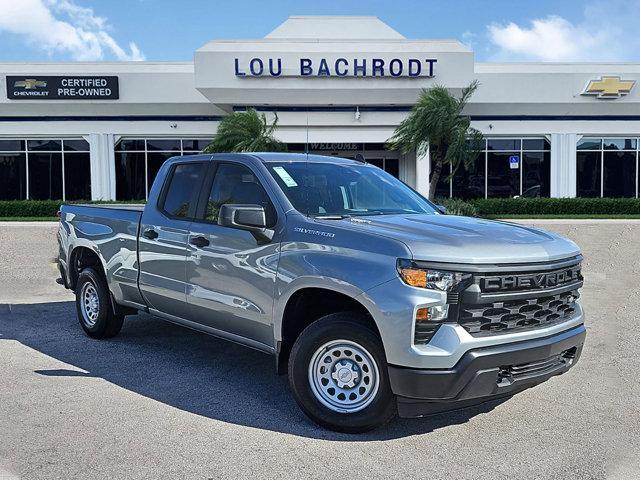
(336, 67)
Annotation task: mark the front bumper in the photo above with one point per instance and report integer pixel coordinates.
(485, 373)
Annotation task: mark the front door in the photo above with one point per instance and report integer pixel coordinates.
(230, 274)
(164, 233)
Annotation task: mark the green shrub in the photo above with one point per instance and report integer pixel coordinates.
(39, 208)
(456, 206)
(557, 206)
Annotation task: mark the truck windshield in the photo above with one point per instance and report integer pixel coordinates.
(332, 189)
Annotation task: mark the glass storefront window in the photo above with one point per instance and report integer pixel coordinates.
(13, 175)
(494, 174)
(607, 167)
(536, 175)
(619, 144)
(619, 174)
(138, 161)
(589, 144)
(503, 144)
(45, 176)
(588, 174)
(469, 182)
(39, 169)
(130, 176)
(502, 180)
(77, 175)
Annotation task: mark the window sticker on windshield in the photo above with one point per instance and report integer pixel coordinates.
(286, 178)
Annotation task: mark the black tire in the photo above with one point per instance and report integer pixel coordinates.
(353, 328)
(106, 324)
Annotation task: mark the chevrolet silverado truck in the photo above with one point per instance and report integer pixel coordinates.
(371, 299)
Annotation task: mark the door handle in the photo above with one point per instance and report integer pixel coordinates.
(199, 241)
(150, 233)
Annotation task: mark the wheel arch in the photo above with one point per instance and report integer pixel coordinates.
(306, 304)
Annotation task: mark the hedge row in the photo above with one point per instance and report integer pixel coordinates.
(557, 206)
(480, 207)
(37, 208)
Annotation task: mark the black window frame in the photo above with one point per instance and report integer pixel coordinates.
(193, 209)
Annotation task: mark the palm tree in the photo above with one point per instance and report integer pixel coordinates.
(246, 132)
(436, 123)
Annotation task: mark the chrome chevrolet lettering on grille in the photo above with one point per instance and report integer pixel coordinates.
(530, 280)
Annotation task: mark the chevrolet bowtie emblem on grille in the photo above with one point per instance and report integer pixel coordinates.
(30, 84)
(609, 87)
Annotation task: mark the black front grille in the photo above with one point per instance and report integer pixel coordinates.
(509, 316)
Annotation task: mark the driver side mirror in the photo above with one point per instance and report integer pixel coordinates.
(442, 209)
(251, 218)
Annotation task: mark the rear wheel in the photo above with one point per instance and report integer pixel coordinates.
(338, 374)
(93, 306)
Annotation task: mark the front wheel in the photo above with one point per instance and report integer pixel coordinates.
(338, 374)
(93, 306)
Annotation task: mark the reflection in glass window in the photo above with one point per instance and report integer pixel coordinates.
(34, 169)
(588, 174)
(149, 155)
(502, 180)
(13, 176)
(154, 162)
(619, 174)
(492, 173)
(237, 184)
(469, 182)
(608, 169)
(130, 176)
(536, 174)
(47, 145)
(184, 188)
(619, 144)
(45, 176)
(589, 144)
(77, 175)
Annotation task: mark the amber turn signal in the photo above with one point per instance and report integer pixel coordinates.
(422, 315)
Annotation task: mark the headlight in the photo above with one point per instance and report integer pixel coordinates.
(428, 278)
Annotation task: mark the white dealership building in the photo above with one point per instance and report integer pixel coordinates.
(339, 86)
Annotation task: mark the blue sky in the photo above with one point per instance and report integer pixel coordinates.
(498, 30)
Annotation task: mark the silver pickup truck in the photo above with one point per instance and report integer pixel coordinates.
(371, 299)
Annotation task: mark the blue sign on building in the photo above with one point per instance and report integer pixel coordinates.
(339, 67)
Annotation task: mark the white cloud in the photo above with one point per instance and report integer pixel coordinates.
(62, 26)
(602, 34)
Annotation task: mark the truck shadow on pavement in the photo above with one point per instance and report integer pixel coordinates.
(188, 370)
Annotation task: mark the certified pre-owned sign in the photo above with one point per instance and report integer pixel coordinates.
(62, 88)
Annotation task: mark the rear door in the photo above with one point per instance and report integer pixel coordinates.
(164, 233)
(230, 274)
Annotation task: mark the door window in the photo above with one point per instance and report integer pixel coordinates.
(236, 184)
(184, 188)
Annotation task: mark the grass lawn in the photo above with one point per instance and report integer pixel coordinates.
(568, 217)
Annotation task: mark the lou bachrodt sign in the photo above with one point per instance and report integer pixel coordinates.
(62, 88)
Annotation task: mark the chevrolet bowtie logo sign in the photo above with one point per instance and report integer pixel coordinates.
(30, 84)
(609, 87)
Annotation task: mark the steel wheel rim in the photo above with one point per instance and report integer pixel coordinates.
(343, 376)
(89, 304)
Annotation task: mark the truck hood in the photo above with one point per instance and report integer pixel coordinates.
(455, 239)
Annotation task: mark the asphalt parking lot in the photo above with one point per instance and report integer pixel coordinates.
(160, 401)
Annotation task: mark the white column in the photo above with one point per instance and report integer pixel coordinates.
(563, 164)
(103, 171)
(423, 170)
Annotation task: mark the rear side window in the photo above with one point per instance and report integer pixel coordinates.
(184, 187)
